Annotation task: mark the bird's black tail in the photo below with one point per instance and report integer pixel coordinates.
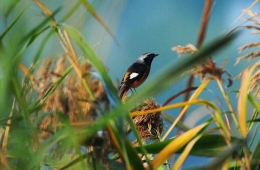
(123, 93)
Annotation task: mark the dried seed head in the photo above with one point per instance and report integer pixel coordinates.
(182, 50)
(209, 69)
(255, 79)
(255, 83)
(70, 97)
(206, 68)
(149, 126)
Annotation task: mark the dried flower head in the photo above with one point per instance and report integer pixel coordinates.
(255, 79)
(254, 83)
(182, 50)
(210, 68)
(206, 68)
(149, 126)
(54, 103)
(69, 98)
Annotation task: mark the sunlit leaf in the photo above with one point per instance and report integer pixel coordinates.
(242, 99)
(242, 102)
(176, 144)
(185, 153)
(208, 145)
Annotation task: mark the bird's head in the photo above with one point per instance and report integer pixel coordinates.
(146, 58)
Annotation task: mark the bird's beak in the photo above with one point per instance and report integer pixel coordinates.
(156, 55)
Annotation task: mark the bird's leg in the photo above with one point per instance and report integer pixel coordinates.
(133, 91)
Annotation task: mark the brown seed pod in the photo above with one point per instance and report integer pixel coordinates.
(149, 126)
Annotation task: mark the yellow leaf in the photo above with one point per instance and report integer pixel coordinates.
(176, 144)
(242, 99)
(242, 102)
(185, 153)
(192, 98)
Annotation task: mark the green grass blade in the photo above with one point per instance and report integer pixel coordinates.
(256, 156)
(11, 25)
(7, 72)
(42, 150)
(141, 146)
(16, 88)
(134, 159)
(93, 58)
(42, 45)
(70, 12)
(56, 84)
(254, 102)
(42, 24)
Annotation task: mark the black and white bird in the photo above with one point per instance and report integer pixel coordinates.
(136, 74)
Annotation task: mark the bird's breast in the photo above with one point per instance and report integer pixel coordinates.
(141, 79)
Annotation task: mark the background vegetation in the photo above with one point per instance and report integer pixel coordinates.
(60, 108)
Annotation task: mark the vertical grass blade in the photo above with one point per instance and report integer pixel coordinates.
(11, 25)
(93, 58)
(242, 102)
(243, 97)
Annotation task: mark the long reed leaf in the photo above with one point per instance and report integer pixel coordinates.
(185, 153)
(242, 99)
(2, 35)
(176, 144)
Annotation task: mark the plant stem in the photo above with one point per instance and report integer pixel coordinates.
(228, 104)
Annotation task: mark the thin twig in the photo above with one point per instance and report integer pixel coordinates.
(178, 94)
(201, 37)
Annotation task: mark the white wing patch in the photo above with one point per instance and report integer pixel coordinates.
(133, 75)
